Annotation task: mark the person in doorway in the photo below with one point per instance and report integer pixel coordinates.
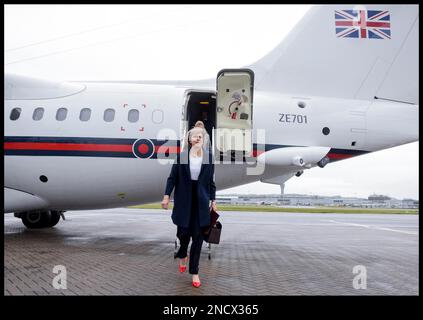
(194, 189)
(207, 123)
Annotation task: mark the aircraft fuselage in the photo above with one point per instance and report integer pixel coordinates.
(93, 164)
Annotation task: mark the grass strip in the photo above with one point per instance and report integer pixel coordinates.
(294, 210)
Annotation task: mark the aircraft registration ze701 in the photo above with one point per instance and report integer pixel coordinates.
(343, 83)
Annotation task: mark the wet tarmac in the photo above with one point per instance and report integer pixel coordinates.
(130, 252)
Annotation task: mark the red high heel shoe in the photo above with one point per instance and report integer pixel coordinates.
(183, 268)
(196, 284)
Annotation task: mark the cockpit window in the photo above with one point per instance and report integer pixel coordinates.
(15, 114)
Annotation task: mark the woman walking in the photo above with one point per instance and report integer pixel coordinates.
(194, 189)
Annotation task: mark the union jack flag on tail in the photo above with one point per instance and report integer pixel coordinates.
(372, 24)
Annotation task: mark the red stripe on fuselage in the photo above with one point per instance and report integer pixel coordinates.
(257, 152)
(66, 146)
(164, 149)
(339, 156)
(81, 147)
(63, 146)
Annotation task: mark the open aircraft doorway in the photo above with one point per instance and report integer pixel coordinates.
(200, 106)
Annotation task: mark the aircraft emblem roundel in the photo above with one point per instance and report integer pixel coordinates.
(143, 148)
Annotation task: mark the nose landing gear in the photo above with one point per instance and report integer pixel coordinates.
(40, 219)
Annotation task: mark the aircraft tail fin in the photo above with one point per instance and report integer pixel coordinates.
(346, 51)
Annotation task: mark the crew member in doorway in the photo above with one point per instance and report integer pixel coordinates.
(208, 125)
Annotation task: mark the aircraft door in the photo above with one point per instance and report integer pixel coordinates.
(234, 111)
(358, 128)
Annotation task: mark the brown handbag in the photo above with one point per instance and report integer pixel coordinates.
(212, 234)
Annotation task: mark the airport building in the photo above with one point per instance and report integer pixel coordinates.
(372, 201)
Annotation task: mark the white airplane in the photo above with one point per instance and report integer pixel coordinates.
(343, 83)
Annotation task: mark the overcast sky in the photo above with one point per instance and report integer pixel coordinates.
(145, 42)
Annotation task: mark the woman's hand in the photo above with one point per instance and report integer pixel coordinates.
(213, 204)
(165, 202)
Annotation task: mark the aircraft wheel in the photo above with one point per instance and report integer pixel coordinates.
(54, 218)
(40, 219)
(34, 219)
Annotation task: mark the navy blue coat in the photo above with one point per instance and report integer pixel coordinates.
(180, 179)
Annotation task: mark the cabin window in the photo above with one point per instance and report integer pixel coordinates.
(38, 114)
(109, 115)
(85, 114)
(133, 115)
(15, 114)
(61, 114)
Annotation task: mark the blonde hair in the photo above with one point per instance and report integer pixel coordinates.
(198, 127)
